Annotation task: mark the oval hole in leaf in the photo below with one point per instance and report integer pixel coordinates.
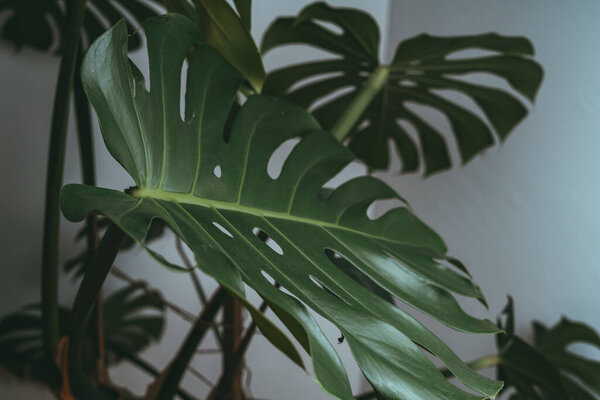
(279, 156)
(315, 78)
(262, 235)
(330, 97)
(217, 171)
(585, 350)
(329, 26)
(407, 83)
(220, 227)
(268, 277)
(356, 274)
(182, 89)
(324, 288)
(470, 54)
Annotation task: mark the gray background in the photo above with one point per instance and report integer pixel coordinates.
(522, 216)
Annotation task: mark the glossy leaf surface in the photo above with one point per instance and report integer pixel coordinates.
(217, 196)
(422, 66)
(227, 32)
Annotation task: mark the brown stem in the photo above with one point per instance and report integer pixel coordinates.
(237, 361)
(101, 372)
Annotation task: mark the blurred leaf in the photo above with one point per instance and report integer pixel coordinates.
(547, 370)
(244, 9)
(134, 319)
(228, 33)
(554, 343)
(31, 22)
(420, 69)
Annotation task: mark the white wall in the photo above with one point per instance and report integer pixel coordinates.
(27, 82)
(524, 216)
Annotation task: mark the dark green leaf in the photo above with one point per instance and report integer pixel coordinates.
(227, 32)
(244, 9)
(548, 370)
(419, 69)
(554, 343)
(29, 25)
(133, 320)
(219, 215)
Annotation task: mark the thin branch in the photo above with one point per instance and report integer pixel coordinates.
(200, 377)
(209, 351)
(238, 358)
(172, 375)
(195, 281)
(477, 364)
(184, 314)
(144, 366)
(186, 261)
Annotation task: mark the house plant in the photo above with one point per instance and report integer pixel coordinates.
(396, 252)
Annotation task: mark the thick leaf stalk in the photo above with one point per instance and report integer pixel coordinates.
(360, 103)
(56, 157)
(87, 295)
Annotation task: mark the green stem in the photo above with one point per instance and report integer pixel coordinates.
(477, 364)
(87, 296)
(360, 102)
(56, 157)
(95, 275)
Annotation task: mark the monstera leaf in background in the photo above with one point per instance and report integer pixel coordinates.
(422, 67)
(548, 369)
(228, 32)
(40, 24)
(133, 319)
(218, 197)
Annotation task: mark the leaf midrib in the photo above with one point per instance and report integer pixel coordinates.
(187, 198)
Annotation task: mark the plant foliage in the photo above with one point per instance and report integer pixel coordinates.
(217, 196)
(133, 319)
(422, 68)
(41, 24)
(548, 370)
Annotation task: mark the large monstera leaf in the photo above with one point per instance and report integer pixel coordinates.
(218, 197)
(133, 319)
(421, 67)
(31, 22)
